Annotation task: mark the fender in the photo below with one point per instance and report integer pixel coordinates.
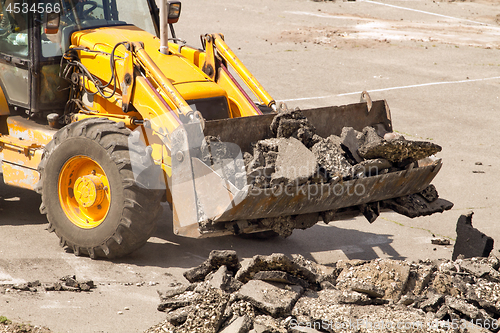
(4, 106)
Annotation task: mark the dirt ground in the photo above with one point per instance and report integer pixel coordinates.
(436, 63)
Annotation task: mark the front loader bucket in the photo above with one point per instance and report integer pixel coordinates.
(207, 202)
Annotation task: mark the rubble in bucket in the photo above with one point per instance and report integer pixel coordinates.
(297, 155)
(280, 294)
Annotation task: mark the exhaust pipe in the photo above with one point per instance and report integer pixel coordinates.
(164, 11)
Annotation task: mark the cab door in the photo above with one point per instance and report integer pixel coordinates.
(50, 92)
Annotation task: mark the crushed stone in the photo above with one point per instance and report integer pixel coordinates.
(349, 296)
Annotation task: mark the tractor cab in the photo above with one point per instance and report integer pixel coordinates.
(35, 34)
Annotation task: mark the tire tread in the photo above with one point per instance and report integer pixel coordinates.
(140, 207)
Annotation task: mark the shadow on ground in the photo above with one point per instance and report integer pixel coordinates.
(165, 249)
(19, 206)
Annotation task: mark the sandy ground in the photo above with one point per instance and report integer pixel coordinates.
(437, 65)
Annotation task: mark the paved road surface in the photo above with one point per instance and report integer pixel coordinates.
(436, 63)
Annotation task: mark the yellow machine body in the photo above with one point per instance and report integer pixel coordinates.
(162, 89)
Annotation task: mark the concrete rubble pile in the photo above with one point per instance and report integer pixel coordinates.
(278, 294)
(66, 283)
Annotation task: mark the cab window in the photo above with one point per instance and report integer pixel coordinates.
(86, 14)
(13, 29)
(74, 15)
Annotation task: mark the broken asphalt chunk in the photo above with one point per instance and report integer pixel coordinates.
(388, 276)
(368, 289)
(216, 259)
(223, 280)
(274, 262)
(207, 313)
(349, 139)
(331, 159)
(440, 241)
(415, 205)
(371, 167)
(295, 164)
(432, 303)
(239, 325)
(273, 298)
(470, 241)
(292, 123)
(281, 277)
(399, 150)
(178, 316)
(178, 301)
(174, 291)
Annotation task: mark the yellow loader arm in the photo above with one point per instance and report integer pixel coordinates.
(215, 42)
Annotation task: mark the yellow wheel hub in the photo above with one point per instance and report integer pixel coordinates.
(84, 192)
(89, 191)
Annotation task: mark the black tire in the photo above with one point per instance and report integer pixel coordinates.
(132, 207)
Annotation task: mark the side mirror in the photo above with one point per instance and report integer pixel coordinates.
(174, 11)
(52, 21)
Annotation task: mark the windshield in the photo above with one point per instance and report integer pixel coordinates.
(90, 13)
(84, 14)
(137, 13)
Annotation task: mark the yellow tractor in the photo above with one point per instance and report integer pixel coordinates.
(106, 113)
